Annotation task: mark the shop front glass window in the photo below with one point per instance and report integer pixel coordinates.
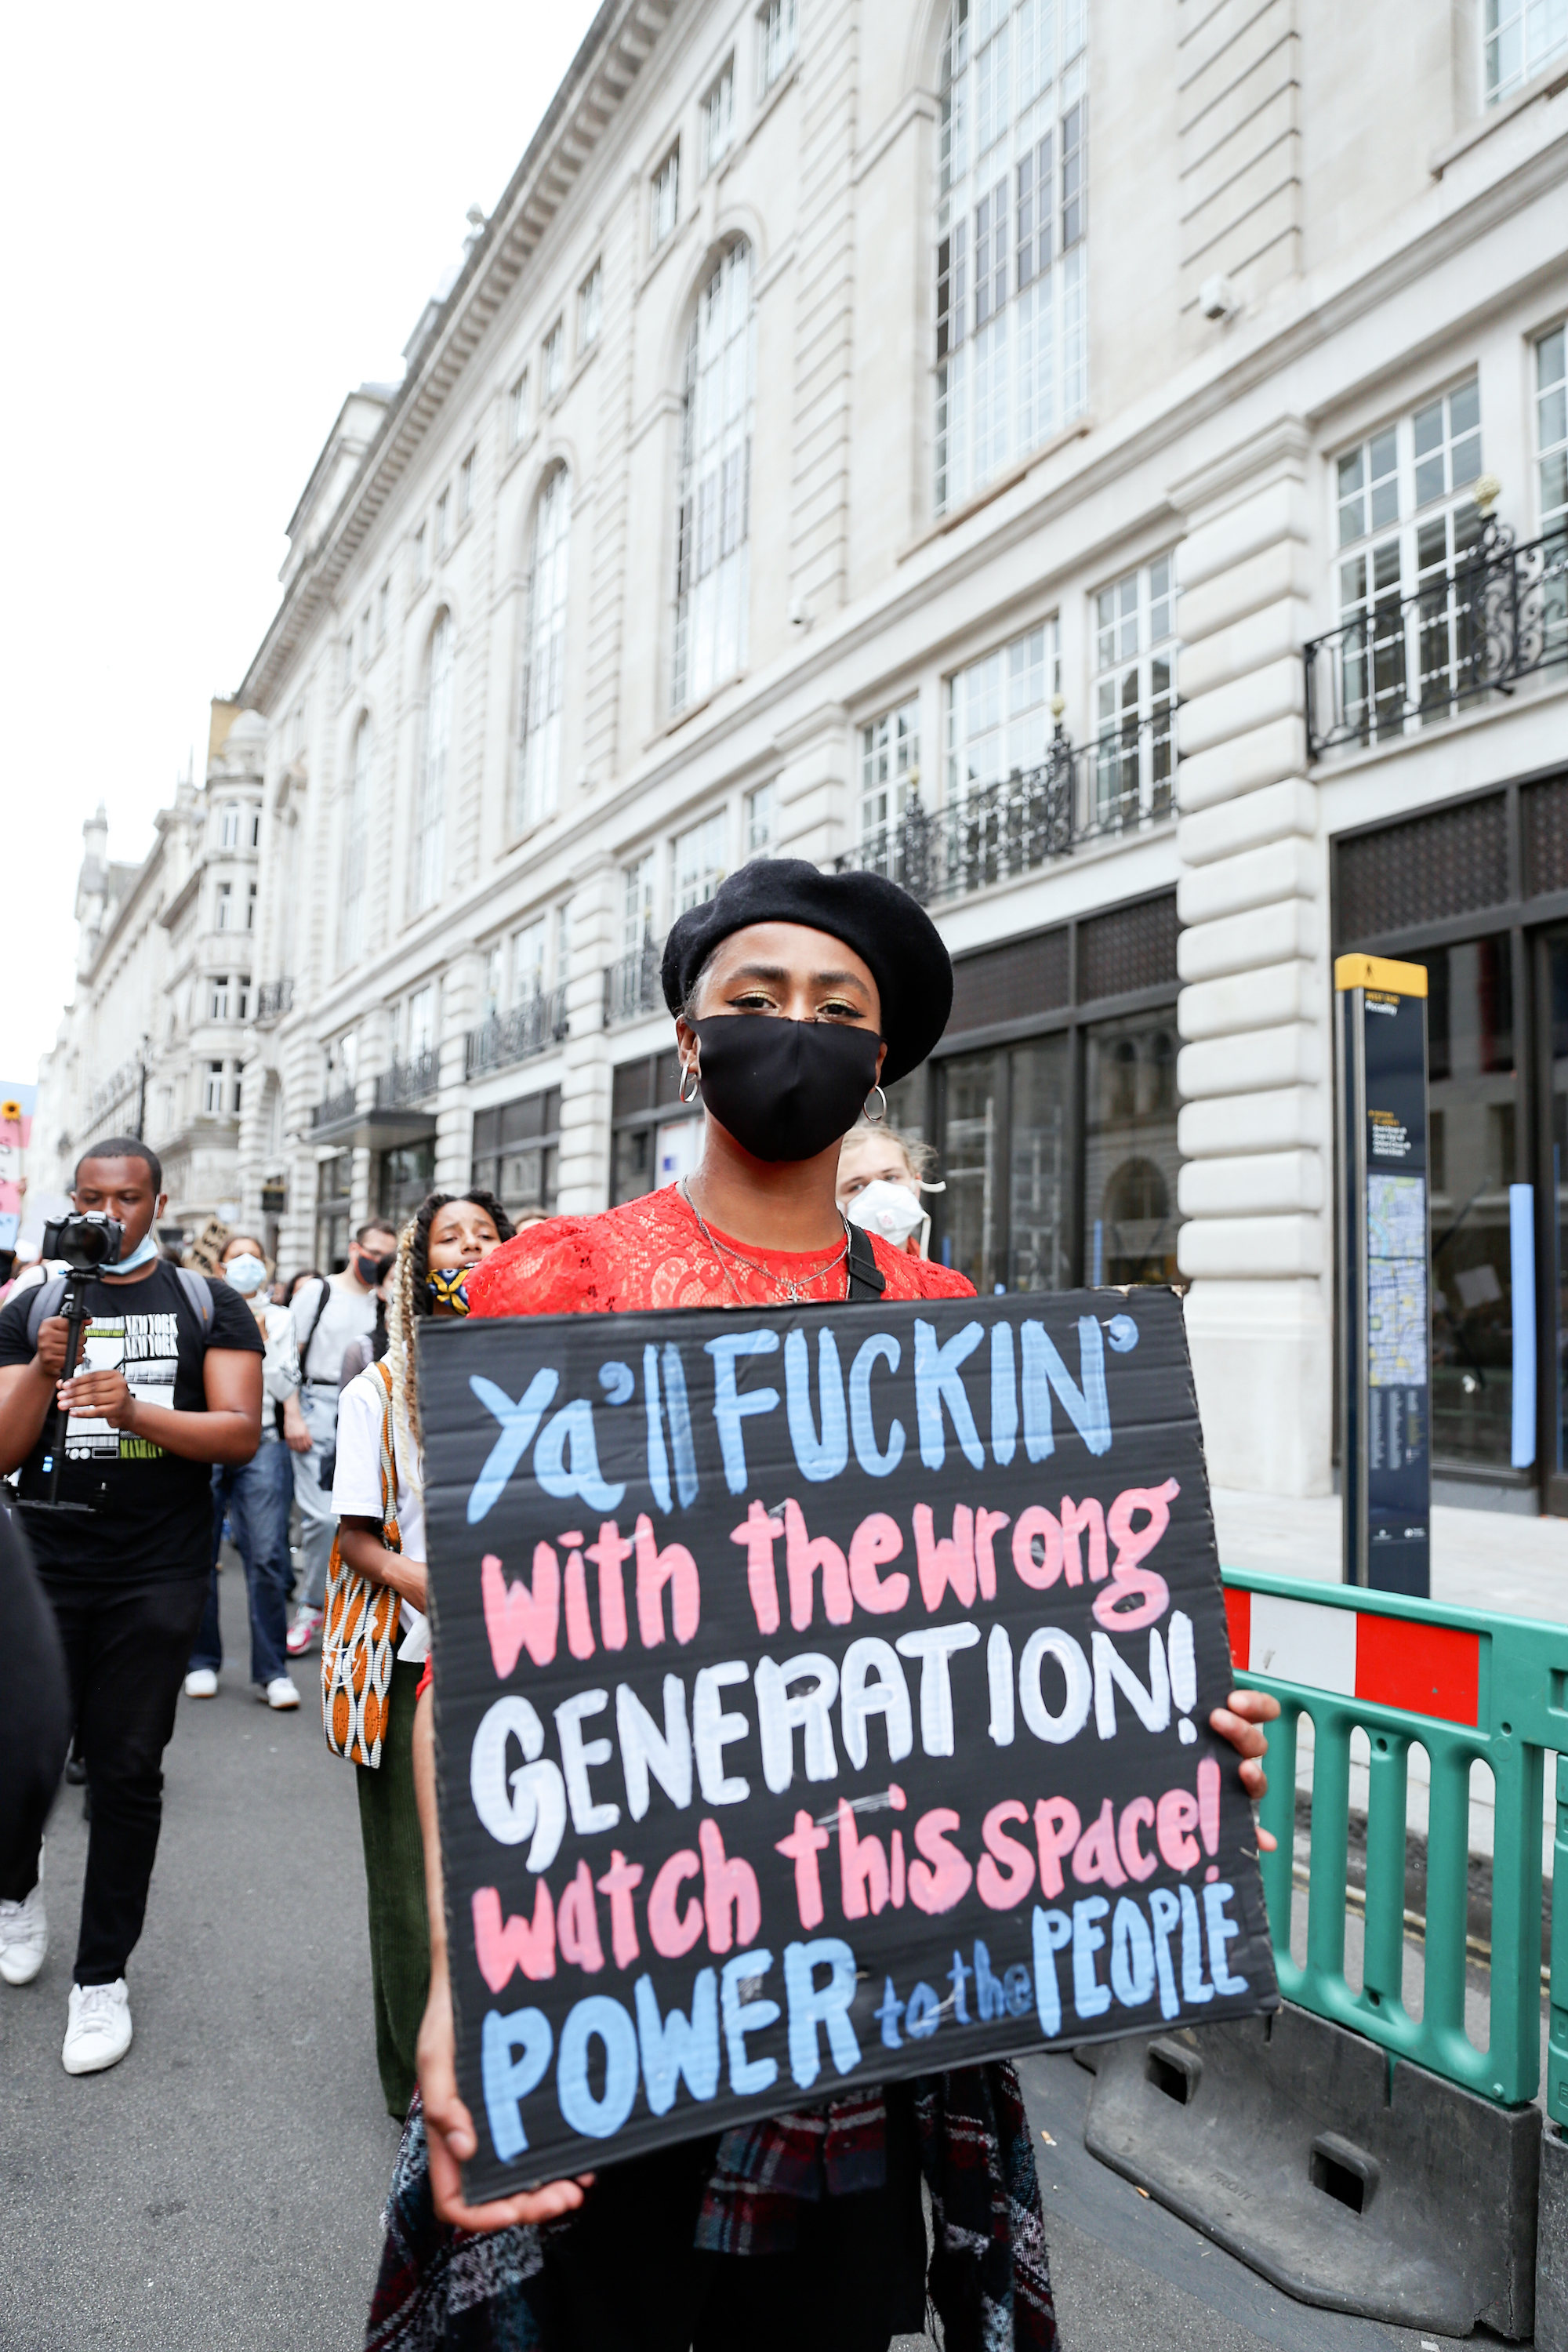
(1131, 1162)
(1471, 1160)
(1004, 1217)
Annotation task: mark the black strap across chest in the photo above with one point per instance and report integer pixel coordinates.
(867, 1280)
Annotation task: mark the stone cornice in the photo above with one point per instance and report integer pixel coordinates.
(618, 44)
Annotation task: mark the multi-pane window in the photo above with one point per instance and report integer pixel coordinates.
(1521, 39)
(356, 822)
(544, 668)
(517, 410)
(1552, 484)
(465, 490)
(430, 799)
(228, 826)
(516, 1148)
(1405, 524)
(590, 307)
(1134, 695)
(553, 361)
(224, 907)
(493, 959)
(252, 890)
(242, 996)
(890, 779)
(711, 571)
(212, 1090)
(256, 828)
(1552, 429)
(442, 505)
(217, 1002)
(760, 820)
(1011, 235)
(562, 942)
(998, 711)
(639, 881)
(719, 117)
(775, 40)
(696, 862)
(419, 1021)
(666, 196)
(528, 948)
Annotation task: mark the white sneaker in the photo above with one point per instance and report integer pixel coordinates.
(280, 1693)
(23, 1937)
(201, 1682)
(97, 2033)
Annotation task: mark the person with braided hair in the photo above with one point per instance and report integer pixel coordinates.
(376, 1639)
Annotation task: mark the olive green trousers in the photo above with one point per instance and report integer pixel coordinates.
(395, 1892)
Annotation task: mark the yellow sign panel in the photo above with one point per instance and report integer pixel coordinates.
(1381, 973)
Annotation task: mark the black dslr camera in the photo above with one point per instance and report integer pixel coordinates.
(88, 1240)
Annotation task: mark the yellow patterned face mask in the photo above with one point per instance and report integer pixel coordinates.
(446, 1289)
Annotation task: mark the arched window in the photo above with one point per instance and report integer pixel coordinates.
(356, 821)
(544, 661)
(711, 570)
(1011, 230)
(430, 796)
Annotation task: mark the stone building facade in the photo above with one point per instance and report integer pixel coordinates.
(155, 1040)
(931, 434)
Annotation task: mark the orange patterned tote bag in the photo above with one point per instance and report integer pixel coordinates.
(359, 1632)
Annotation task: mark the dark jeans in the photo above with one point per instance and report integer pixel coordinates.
(257, 1497)
(126, 1647)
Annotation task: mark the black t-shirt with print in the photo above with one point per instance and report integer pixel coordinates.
(153, 1511)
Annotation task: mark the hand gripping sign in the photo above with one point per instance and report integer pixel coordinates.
(821, 1697)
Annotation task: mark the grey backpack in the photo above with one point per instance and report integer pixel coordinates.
(49, 1297)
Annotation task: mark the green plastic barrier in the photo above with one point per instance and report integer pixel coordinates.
(1466, 1686)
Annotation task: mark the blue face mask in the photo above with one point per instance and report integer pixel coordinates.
(145, 1251)
(245, 1273)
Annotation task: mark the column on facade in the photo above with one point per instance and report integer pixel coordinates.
(462, 995)
(585, 1158)
(1255, 1071)
(825, 319)
(811, 792)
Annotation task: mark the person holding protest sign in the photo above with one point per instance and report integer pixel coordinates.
(795, 993)
(376, 1640)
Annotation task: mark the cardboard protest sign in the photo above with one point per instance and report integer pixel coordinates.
(822, 1697)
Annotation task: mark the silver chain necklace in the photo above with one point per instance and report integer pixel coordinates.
(792, 1292)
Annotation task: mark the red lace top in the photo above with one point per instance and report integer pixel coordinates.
(652, 1252)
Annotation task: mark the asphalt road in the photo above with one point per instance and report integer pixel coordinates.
(220, 2189)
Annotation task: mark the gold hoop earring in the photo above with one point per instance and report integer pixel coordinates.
(876, 1118)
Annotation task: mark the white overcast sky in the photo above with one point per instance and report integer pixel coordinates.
(217, 219)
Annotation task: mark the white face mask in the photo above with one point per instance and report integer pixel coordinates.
(245, 1274)
(888, 1209)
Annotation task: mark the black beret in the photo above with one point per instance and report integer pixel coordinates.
(887, 930)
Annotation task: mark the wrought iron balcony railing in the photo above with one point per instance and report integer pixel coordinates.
(274, 998)
(631, 986)
(540, 1021)
(1476, 629)
(334, 1108)
(1122, 783)
(409, 1082)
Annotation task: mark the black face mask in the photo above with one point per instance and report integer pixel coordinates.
(785, 1089)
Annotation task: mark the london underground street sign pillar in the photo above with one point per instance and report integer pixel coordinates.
(1384, 1292)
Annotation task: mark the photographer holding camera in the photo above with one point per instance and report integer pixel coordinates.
(120, 1527)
